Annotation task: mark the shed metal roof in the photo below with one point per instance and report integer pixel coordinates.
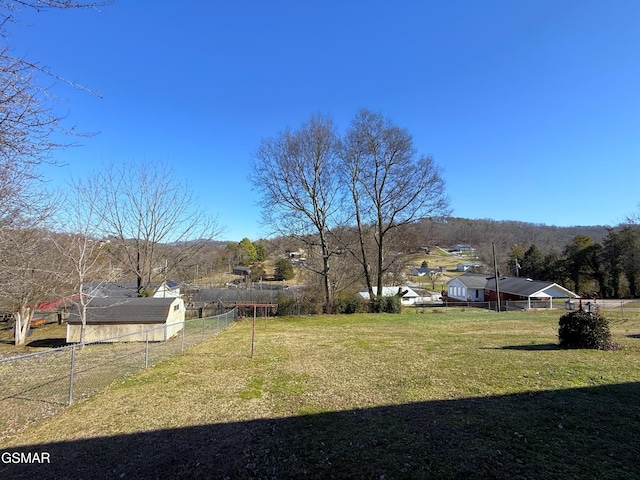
(125, 310)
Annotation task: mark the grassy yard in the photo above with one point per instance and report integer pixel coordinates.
(444, 394)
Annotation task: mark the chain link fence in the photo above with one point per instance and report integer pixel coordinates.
(41, 384)
(507, 305)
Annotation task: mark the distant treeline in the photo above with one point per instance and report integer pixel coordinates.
(505, 234)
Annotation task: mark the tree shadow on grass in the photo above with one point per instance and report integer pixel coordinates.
(578, 433)
(48, 343)
(533, 347)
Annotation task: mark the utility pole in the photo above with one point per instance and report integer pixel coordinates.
(495, 268)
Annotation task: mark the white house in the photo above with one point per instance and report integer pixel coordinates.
(408, 295)
(463, 267)
(167, 289)
(467, 287)
(463, 248)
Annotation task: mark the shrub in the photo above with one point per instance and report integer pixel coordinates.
(283, 270)
(287, 305)
(305, 304)
(146, 292)
(349, 304)
(390, 304)
(580, 329)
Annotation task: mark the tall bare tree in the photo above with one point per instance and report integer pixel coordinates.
(81, 246)
(29, 128)
(391, 185)
(28, 120)
(296, 175)
(145, 207)
(31, 275)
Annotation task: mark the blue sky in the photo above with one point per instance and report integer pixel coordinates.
(531, 107)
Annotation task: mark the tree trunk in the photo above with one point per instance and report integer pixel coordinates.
(83, 321)
(325, 270)
(22, 324)
(379, 273)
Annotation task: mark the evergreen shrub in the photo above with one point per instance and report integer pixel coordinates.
(581, 329)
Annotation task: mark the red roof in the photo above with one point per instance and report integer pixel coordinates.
(56, 304)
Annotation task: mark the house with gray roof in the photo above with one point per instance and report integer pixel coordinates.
(468, 287)
(526, 289)
(475, 287)
(165, 289)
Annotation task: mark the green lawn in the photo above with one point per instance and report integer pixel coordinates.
(445, 394)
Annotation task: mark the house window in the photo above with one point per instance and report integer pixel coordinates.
(176, 308)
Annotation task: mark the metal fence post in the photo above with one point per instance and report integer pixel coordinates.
(73, 366)
(100, 374)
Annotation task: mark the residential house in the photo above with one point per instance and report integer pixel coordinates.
(468, 287)
(526, 289)
(423, 272)
(165, 289)
(408, 296)
(463, 248)
(475, 287)
(242, 271)
(463, 267)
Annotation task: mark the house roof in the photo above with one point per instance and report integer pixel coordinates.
(112, 289)
(472, 280)
(420, 271)
(113, 310)
(240, 270)
(391, 291)
(525, 287)
(58, 303)
(121, 289)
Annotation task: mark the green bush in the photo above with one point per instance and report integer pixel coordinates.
(305, 304)
(349, 304)
(390, 304)
(580, 329)
(287, 305)
(283, 270)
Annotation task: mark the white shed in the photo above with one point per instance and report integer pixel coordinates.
(129, 319)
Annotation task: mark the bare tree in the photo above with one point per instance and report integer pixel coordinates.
(28, 125)
(296, 174)
(28, 121)
(81, 247)
(391, 185)
(31, 275)
(434, 276)
(145, 207)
